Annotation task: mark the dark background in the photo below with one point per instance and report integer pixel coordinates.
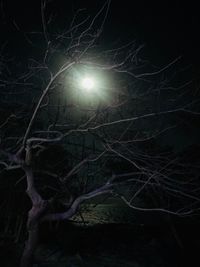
(168, 29)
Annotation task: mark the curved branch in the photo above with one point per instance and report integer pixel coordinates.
(63, 69)
(105, 189)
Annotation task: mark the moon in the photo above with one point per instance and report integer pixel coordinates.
(88, 84)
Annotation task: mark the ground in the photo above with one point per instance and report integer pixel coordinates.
(138, 243)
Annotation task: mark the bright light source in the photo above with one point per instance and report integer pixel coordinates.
(88, 84)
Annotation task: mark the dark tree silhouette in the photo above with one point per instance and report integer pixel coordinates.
(74, 144)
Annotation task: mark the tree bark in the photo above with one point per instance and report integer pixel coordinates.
(31, 243)
(34, 217)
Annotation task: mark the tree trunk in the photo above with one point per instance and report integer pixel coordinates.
(30, 246)
(32, 241)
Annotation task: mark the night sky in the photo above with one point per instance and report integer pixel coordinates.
(167, 29)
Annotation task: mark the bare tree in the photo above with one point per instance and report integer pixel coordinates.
(97, 140)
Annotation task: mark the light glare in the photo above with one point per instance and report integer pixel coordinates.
(88, 84)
